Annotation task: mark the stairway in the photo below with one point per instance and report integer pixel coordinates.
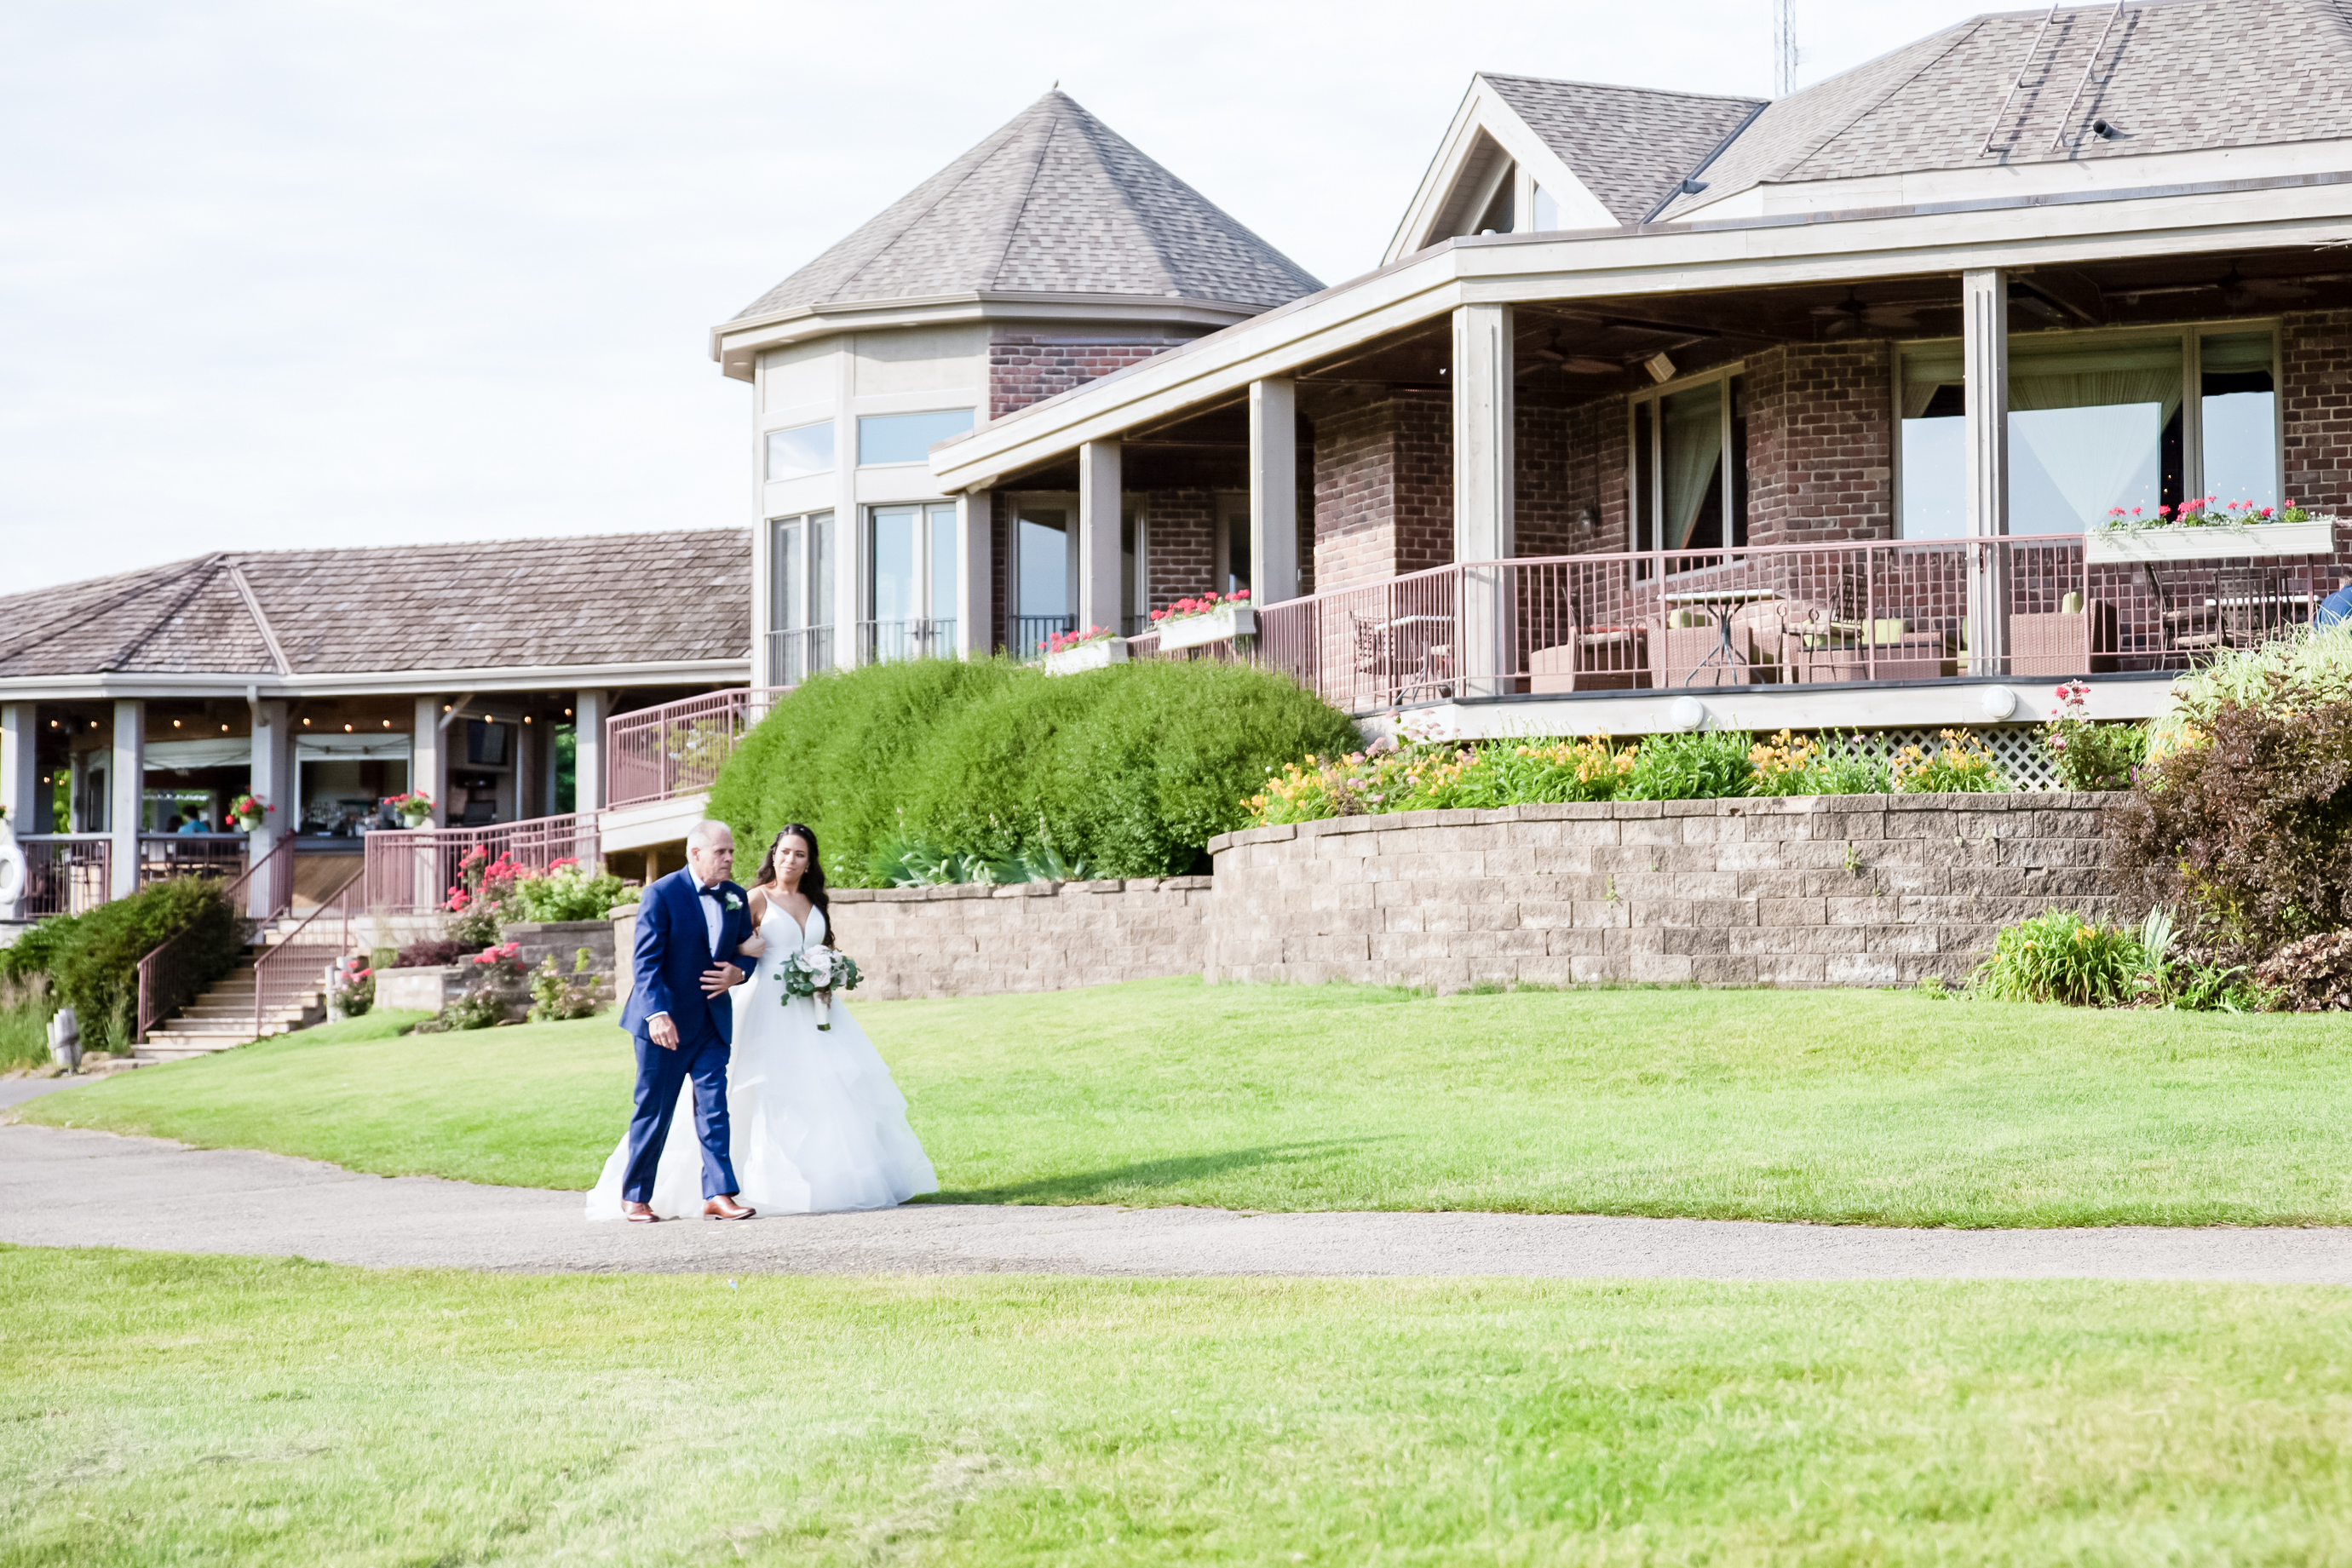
(222, 1018)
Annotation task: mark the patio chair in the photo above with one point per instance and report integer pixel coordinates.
(2078, 639)
(1592, 659)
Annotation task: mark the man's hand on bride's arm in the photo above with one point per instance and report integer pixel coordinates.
(720, 979)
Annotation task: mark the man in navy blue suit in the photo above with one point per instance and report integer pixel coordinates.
(683, 1020)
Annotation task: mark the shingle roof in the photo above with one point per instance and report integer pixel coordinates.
(603, 598)
(1630, 145)
(1056, 202)
(2174, 76)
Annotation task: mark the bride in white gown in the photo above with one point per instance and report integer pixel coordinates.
(818, 1124)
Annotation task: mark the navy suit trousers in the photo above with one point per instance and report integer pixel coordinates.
(659, 1074)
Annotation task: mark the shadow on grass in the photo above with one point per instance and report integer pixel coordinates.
(1127, 1183)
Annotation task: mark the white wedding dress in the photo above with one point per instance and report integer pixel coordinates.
(818, 1124)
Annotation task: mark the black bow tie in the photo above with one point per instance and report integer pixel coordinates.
(708, 891)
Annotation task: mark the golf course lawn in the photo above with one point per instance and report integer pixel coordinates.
(157, 1408)
(1888, 1107)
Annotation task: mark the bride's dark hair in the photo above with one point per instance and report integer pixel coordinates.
(812, 880)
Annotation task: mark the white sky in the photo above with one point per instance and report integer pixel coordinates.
(290, 274)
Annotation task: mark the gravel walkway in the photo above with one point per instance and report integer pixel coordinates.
(74, 1188)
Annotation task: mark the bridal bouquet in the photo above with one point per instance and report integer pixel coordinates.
(816, 973)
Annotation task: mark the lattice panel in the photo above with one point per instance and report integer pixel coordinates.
(2017, 749)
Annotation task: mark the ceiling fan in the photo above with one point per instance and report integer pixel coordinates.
(1851, 315)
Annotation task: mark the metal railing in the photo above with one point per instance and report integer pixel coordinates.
(888, 641)
(167, 982)
(796, 654)
(1775, 615)
(411, 870)
(296, 966)
(265, 889)
(660, 753)
(1030, 631)
(67, 873)
(162, 856)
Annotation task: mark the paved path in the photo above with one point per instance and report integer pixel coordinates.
(75, 1188)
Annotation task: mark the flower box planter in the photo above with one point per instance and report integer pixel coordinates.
(2316, 536)
(1094, 655)
(1223, 624)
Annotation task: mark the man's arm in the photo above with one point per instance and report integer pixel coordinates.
(646, 960)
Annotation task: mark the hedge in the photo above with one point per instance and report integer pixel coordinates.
(1125, 771)
(92, 959)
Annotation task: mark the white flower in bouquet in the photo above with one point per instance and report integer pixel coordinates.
(816, 973)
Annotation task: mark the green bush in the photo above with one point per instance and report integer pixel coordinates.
(566, 892)
(1128, 770)
(1705, 765)
(92, 960)
(2058, 956)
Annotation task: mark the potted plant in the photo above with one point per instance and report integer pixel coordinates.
(248, 813)
(2203, 528)
(414, 808)
(1211, 618)
(1067, 653)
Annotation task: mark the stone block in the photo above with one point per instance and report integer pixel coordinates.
(1688, 941)
(1723, 971)
(1860, 969)
(1659, 969)
(1792, 912)
(1793, 969)
(1715, 913)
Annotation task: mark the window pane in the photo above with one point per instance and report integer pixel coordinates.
(2240, 409)
(786, 615)
(1131, 535)
(802, 450)
(1645, 500)
(1691, 422)
(1547, 212)
(1044, 562)
(895, 585)
(906, 437)
(943, 563)
(820, 570)
(1936, 467)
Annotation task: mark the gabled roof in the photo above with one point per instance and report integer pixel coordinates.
(598, 599)
(2173, 76)
(1054, 202)
(1630, 146)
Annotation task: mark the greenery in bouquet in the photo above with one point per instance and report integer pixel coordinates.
(555, 996)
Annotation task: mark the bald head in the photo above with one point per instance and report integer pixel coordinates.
(710, 852)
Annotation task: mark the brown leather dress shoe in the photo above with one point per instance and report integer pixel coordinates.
(639, 1213)
(726, 1207)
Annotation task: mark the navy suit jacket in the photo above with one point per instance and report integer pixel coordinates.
(673, 951)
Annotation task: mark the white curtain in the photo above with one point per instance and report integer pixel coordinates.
(1692, 422)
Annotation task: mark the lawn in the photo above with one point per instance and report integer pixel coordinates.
(1828, 1106)
(156, 1408)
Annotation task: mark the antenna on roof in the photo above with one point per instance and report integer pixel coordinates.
(1784, 47)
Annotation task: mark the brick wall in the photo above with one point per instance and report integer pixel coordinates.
(2316, 406)
(1839, 890)
(1032, 937)
(1821, 444)
(1383, 491)
(1180, 533)
(1571, 460)
(1029, 367)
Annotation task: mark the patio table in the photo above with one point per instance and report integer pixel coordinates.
(1722, 602)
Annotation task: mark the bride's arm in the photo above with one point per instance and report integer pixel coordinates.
(755, 945)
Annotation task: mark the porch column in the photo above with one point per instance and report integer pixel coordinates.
(20, 788)
(273, 786)
(1099, 599)
(975, 573)
(1984, 297)
(1274, 490)
(1484, 486)
(428, 757)
(588, 751)
(127, 782)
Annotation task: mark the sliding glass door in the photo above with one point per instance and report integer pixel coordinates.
(911, 582)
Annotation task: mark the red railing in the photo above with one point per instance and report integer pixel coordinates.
(406, 871)
(265, 891)
(1777, 616)
(660, 753)
(67, 873)
(296, 966)
(167, 982)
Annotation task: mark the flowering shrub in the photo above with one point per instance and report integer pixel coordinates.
(555, 996)
(1704, 764)
(1063, 642)
(2060, 956)
(354, 987)
(563, 891)
(1817, 765)
(1961, 766)
(2206, 512)
(1187, 609)
(2092, 755)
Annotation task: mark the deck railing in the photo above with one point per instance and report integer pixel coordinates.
(265, 889)
(162, 856)
(296, 964)
(407, 872)
(67, 873)
(660, 753)
(1775, 615)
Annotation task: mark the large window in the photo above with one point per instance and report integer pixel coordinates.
(803, 450)
(2096, 421)
(1045, 568)
(800, 598)
(911, 579)
(906, 437)
(1689, 446)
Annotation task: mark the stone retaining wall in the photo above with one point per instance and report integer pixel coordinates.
(975, 940)
(1859, 890)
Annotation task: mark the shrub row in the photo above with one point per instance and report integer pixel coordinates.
(92, 959)
(1124, 771)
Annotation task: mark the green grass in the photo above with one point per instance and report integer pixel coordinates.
(1836, 1105)
(156, 1408)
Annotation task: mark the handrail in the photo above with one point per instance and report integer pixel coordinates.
(659, 753)
(277, 973)
(165, 984)
(280, 864)
(411, 870)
